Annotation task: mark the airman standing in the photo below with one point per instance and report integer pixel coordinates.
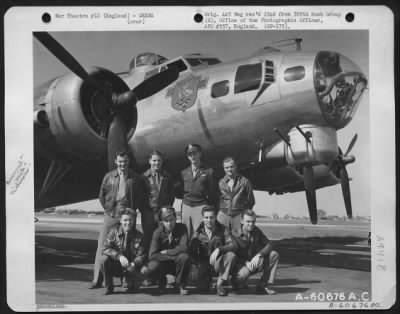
(199, 188)
(236, 195)
(161, 192)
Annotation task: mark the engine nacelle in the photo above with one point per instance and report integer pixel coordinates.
(78, 116)
(311, 145)
(287, 180)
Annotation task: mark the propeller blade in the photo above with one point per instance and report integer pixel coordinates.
(68, 60)
(351, 145)
(147, 88)
(309, 182)
(116, 140)
(312, 206)
(344, 180)
(309, 186)
(155, 83)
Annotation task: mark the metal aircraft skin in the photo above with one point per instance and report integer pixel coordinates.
(276, 112)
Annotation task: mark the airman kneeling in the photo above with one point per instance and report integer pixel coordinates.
(212, 248)
(255, 254)
(123, 253)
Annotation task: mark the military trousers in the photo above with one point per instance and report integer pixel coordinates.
(149, 224)
(230, 222)
(108, 222)
(111, 268)
(191, 217)
(267, 266)
(177, 265)
(201, 272)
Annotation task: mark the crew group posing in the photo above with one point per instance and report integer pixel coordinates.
(217, 236)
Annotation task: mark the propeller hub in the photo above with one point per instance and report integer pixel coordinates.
(348, 159)
(100, 109)
(125, 99)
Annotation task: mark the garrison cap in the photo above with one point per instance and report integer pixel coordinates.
(192, 147)
(166, 211)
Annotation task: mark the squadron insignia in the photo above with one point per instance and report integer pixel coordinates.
(184, 93)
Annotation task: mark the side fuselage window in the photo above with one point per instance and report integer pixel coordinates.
(220, 89)
(294, 74)
(248, 77)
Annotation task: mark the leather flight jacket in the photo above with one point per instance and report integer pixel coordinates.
(248, 247)
(133, 250)
(201, 247)
(161, 195)
(234, 202)
(135, 191)
(160, 242)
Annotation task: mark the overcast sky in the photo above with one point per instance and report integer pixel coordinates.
(114, 51)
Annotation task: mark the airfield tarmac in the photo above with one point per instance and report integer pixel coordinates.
(331, 257)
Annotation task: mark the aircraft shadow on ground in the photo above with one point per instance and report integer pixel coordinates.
(67, 273)
(321, 241)
(61, 273)
(56, 251)
(282, 286)
(292, 282)
(324, 252)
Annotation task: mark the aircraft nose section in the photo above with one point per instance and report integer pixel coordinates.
(339, 85)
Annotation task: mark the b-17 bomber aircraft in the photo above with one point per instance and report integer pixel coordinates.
(276, 112)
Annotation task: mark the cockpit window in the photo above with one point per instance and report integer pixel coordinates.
(147, 58)
(151, 73)
(248, 77)
(202, 61)
(179, 64)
